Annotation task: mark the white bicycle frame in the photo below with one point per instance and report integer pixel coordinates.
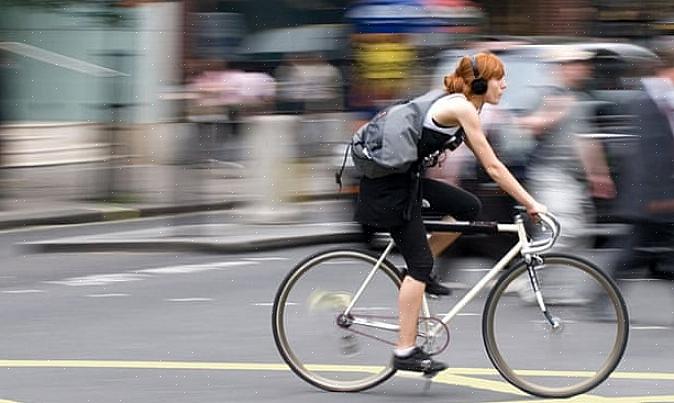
(524, 247)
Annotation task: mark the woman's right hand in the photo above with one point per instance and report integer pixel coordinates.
(535, 209)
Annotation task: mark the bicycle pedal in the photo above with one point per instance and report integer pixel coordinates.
(431, 374)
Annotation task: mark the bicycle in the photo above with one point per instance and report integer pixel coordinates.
(333, 302)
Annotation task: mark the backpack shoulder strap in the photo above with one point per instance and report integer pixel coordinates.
(423, 103)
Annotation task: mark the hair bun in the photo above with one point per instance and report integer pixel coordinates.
(454, 83)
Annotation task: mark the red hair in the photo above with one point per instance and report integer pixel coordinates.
(488, 66)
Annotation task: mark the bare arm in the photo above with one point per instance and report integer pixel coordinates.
(467, 116)
(598, 175)
(553, 110)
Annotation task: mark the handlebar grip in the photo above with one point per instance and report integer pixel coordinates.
(550, 221)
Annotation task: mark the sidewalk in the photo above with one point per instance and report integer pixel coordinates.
(214, 238)
(38, 196)
(57, 196)
(39, 212)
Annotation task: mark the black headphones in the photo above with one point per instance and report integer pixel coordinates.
(479, 85)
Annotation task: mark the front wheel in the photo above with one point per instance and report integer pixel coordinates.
(317, 341)
(560, 361)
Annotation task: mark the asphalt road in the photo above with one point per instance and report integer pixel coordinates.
(177, 327)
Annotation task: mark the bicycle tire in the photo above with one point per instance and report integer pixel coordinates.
(279, 311)
(516, 377)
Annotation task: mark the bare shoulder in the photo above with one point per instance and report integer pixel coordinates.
(454, 110)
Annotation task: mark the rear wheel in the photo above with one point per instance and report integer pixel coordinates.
(313, 336)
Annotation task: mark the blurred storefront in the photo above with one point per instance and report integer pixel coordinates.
(632, 20)
(58, 56)
(219, 28)
(595, 18)
(392, 41)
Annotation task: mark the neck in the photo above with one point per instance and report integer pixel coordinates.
(477, 101)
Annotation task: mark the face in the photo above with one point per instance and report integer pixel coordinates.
(495, 89)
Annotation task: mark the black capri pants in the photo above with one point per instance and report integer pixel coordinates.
(411, 238)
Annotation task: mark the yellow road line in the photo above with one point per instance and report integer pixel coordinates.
(659, 376)
(234, 366)
(187, 365)
(453, 376)
(140, 365)
(599, 399)
(477, 383)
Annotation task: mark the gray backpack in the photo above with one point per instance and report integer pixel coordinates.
(387, 144)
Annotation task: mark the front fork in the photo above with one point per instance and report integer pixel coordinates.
(534, 261)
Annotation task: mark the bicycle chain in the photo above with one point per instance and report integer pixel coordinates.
(423, 318)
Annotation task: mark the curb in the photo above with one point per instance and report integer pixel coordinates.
(124, 213)
(60, 219)
(186, 246)
(115, 214)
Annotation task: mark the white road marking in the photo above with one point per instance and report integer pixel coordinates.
(272, 304)
(650, 327)
(100, 279)
(196, 299)
(104, 279)
(21, 291)
(194, 268)
(106, 295)
(263, 259)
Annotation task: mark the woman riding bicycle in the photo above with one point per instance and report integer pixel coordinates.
(392, 203)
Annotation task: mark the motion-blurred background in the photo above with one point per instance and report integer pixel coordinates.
(169, 102)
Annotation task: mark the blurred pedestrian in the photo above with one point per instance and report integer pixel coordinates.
(566, 170)
(646, 200)
(225, 96)
(320, 84)
(309, 84)
(287, 77)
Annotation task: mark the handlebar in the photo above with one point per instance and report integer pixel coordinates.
(551, 223)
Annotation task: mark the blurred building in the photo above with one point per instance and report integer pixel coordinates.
(61, 56)
(77, 66)
(597, 18)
